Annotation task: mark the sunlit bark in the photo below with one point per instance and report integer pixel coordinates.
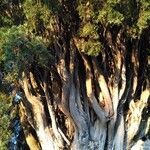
(41, 126)
(86, 102)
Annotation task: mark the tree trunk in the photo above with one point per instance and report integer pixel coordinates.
(86, 102)
(83, 70)
(41, 126)
(93, 102)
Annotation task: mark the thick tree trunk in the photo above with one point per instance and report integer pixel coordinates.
(84, 102)
(92, 90)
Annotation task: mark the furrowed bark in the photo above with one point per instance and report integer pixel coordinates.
(104, 89)
(91, 92)
(98, 110)
(58, 137)
(42, 128)
(136, 109)
(64, 103)
(81, 138)
(115, 100)
(31, 140)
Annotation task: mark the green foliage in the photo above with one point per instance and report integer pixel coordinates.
(5, 133)
(38, 18)
(132, 15)
(89, 30)
(11, 13)
(5, 20)
(31, 26)
(92, 47)
(86, 11)
(109, 16)
(21, 51)
(90, 43)
(144, 15)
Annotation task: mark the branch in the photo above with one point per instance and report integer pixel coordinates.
(76, 110)
(26, 86)
(105, 90)
(51, 111)
(78, 116)
(98, 110)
